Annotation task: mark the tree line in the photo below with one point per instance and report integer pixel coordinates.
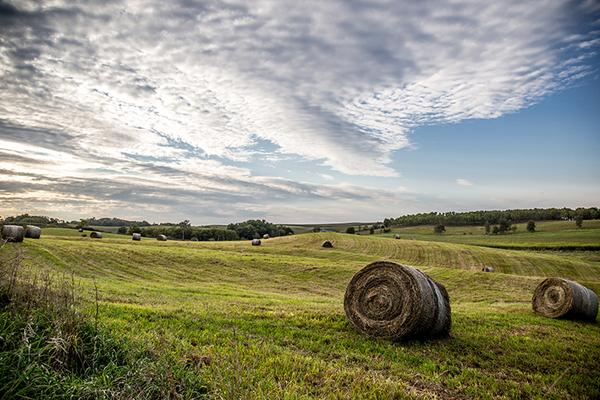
(494, 217)
(251, 229)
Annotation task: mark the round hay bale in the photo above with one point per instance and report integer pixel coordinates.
(33, 232)
(161, 238)
(397, 237)
(13, 233)
(392, 301)
(562, 298)
(488, 269)
(96, 235)
(266, 236)
(136, 236)
(327, 244)
(80, 229)
(255, 242)
(194, 239)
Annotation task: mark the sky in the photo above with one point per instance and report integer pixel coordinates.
(297, 112)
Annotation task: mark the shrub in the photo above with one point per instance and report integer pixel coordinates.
(531, 226)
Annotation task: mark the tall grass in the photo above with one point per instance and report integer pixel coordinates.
(50, 350)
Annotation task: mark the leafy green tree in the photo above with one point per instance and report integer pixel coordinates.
(122, 230)
(439, 229)
(134, 229)
(579, 220)
(531, 226)
(351, 230)
(503, 226)
(487, 226)
(371, 230)
(495, 230)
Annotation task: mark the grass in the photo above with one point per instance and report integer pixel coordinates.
(49, 350)
(268, 321)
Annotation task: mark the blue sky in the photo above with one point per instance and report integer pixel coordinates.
(219, 111)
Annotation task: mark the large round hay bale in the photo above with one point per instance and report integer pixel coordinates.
(136, 236)
(488, 269)
(33, 232)
(13, 233)
(392, 301)
(327, 244)
(397, 237)
(266, 236)
(161, 238)
(562, 298)
(255, 242)
(80, 229)
(96, 235)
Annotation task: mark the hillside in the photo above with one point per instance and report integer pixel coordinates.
(268, 321)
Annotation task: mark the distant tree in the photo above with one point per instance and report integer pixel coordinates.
(132, 229)
(495, 230)
(513, 228)
(531, 226)
(439, 229)
(351, 230)
(503, 225)
(317, 229)
(579, 220)
(122, 230)
(371, 230)
(82, 223)
(487, 226)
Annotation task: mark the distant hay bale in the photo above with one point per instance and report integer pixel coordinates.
(161, 238)
(488, 269)
(255, 242)
(327, 244)
(33, 232)
(391, 301)
(96, 235)
(397, 237)
(136, 236)
(562, 298)
(266, 236)
(80, 229)
(194, 239)
(13, 233)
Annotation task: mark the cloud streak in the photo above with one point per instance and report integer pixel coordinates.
(177, 95)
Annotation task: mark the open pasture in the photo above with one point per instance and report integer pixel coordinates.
(268, 321)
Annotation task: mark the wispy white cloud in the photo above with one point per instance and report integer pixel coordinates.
(193, 89)
(464, 182)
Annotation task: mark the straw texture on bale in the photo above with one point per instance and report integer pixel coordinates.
(33, 232)
(161, 238)
(488, 269)
(13, 233)
(562, 298)
(392, 301)
(327, 244)
(255, 242)
(96, 235)
(136, 236)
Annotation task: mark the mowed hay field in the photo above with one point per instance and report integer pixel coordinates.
(268, 321)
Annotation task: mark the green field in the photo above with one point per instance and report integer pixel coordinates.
(549, 235)
(268, 322)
